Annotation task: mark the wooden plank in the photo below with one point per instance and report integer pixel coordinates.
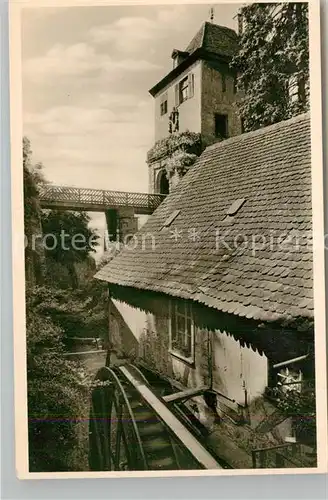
(188, 393)
(202, 456)
(290, 361)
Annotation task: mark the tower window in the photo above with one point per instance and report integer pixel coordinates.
(164, 107)
(183, 90)
(221, 126)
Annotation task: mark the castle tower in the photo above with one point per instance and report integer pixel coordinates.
(197, 96)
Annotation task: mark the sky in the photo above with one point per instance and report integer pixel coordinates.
(86, 75)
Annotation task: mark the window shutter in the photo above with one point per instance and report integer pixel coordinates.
(191, 85)
(176, 95)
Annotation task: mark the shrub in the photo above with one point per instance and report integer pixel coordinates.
(57, 401)
(302, 408)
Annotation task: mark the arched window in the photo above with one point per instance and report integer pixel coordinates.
(163, 186)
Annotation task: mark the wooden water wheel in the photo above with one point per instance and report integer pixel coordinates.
(130, 428)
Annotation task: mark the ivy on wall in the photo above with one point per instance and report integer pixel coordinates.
(179, 162)
(187, 142)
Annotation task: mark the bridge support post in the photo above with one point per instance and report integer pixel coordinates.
(112, 223)
(121, 224)
(127, 224)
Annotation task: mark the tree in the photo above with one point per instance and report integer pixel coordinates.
(272, 63)
(68, 239)
(33, 180)
(57, 399)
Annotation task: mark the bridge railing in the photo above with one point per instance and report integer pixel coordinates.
(100, 197)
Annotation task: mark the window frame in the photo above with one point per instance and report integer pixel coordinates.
(183, 87)
(174, 314)
(163, 107)
(226, 118)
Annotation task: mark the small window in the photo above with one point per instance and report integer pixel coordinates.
(164, 107)
(221, 126)
(181, 329)
(224, 82)
(183, 90)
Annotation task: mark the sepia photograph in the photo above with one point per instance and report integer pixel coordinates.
(167, 199)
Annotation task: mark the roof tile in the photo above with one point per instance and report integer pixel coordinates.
(270, 169)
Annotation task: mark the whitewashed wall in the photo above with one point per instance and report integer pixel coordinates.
(237, 368)
(135, 319)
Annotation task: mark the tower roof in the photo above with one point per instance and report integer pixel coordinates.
(211, 41)
(214, 38)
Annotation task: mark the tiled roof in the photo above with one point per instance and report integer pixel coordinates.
(214, 38)
(262, 268)
(210, 42)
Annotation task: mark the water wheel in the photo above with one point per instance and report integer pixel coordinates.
(124, 432)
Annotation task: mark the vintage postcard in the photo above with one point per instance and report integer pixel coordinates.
(168, 253)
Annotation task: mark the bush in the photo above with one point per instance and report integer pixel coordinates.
(78, 313)
(57, 402)
(302, 408)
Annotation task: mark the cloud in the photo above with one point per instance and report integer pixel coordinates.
(80, 59)
(131, 34)
(107, 145)
(109, 111)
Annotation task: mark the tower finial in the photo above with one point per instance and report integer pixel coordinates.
(212, 14)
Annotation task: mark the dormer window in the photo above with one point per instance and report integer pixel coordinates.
(178, 57)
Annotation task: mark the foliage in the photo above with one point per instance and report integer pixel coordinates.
(70, 239)
(34, 254)
(272, 63)
(189, 142)
(80, 313)
(302, 407)
(36, 170)
(179, 162)
(56, 399)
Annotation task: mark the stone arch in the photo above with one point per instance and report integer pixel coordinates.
(162, 183)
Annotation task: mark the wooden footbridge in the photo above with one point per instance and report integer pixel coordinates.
(98, 200)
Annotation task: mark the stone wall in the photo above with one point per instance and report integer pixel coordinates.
(216, 100)
(189, 110)
(121, 224)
